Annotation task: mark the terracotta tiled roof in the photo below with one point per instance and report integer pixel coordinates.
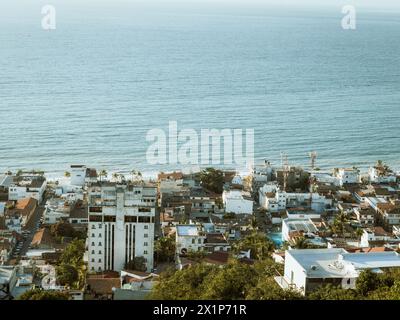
(103, 285)
(217, 257)
(42, 237)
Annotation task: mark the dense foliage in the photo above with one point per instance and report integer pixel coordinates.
(236, 280)
(71, 267)
(39, 294)
(137, 263)
(259, 245)
(164, 249)
(212, 179)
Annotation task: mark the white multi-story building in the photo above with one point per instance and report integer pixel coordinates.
(308, 269)
(381, 174)
(78, 175)
(294, 227)
(121, 224)
(27, 186)
(281, 200)
(237, 201)
(347, 175)
(189, 237)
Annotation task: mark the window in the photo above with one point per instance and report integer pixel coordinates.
(145, 252)
(145, 244)
(145, 235)
(93, 226)
(92, 268)
(193, 241)
(99, 260)
(92, 251)
(144, 219)
(92, 260)
(146, 227)
(99, 251)
(93, 235)
(93, 244)
(199, 240)
(100, 225)
(99, 235)
(99, 243)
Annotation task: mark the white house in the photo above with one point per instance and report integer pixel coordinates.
(307, 269)
(237, 201)
(347, 175)
(381, 174)
(291, 227)
(78, 175)
(190, 237)
(56, 210)
(365, 215)
(27, 186)
(376, 235)
(276, 200)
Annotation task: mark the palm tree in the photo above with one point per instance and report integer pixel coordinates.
(300, 243)
(115, 176)
(133, 173)
(340, 223)
(359, 233)
(103, 173)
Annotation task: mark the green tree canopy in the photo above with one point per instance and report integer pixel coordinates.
(39, 294)
(212, 179)
(137, 263)
(67, 275)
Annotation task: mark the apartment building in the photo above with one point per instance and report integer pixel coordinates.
(121, 224)
(27, 186)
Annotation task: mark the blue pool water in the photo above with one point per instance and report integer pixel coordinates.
(276, 237)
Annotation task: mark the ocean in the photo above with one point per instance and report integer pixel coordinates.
(89, 91)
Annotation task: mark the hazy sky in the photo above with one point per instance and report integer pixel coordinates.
(173, 3)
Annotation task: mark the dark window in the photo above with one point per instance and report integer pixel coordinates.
(144, 219)
(95, 218)
(109, 218)
(131, 219)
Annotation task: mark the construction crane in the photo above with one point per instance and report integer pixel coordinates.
(313, 158)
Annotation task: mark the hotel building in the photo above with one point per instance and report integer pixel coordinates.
(121, 224)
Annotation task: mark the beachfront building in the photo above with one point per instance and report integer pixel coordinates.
(347, 175)
(80, 174)
(237, 201)
(381, 173)
(308, 269)
(121, 224)
(27, 186)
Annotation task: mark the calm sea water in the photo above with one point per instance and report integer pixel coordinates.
(89, 91)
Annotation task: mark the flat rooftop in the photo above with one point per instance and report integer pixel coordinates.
(338, 263)
(305, 225)
(187, 230)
